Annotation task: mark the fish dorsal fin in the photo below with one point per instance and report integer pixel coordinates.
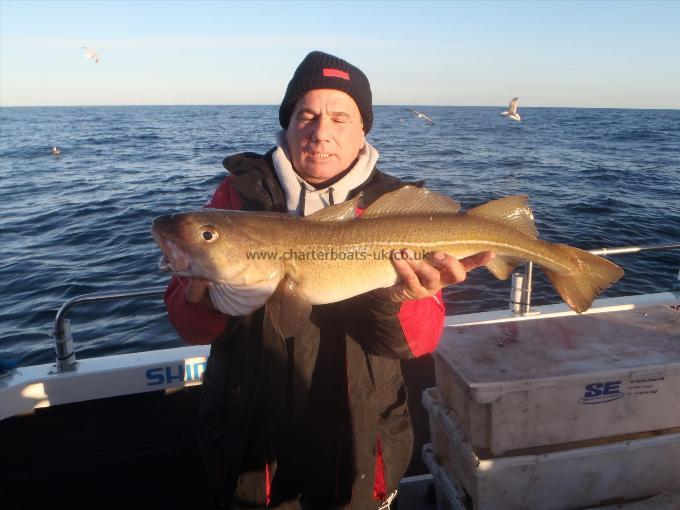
(513, 211)
(411, 200)
(344, 211)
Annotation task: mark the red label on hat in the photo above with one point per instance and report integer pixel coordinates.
(336, 73)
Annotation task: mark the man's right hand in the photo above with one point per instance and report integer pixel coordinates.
(197, 292)
(421, 278)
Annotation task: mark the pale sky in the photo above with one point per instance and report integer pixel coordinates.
(622, 54)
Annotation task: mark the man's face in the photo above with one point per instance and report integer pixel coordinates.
(325, 134)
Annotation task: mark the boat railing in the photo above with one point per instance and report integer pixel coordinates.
(63, 339)
(520, 302)
(520, 288)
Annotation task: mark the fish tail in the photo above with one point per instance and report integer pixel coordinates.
(590, 276)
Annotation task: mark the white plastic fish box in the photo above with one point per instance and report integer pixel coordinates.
(552, 479)
(528, 383)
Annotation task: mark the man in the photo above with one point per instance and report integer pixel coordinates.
(318, 420)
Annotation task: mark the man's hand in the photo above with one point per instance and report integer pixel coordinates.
(197, 292)
(421, 278)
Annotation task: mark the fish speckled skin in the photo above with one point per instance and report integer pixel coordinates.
(330, 255)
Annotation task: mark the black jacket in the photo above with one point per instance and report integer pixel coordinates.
(312, 408)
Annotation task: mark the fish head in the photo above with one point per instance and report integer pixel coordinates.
(203, 244)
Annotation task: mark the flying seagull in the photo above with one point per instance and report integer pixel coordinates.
(421, 115)
(511, 113)
(91, 54)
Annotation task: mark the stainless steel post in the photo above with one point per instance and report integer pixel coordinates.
(63, 340)
(520, 290)
(526, 287)
(63, 348)
(516, 292)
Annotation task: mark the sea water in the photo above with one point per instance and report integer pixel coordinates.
(78, 222)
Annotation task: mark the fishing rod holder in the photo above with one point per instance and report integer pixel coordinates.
(65, 354)
(520, 290)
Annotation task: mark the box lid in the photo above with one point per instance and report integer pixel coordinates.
(489, 360)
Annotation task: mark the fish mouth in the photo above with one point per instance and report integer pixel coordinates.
(174, 259)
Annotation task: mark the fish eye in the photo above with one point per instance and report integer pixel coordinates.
(209, 233)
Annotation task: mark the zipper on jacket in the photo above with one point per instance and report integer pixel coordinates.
(259, 186)
(301, 202)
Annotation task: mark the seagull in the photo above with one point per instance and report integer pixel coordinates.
(421, 115)
(511, 113)
(55, 151)
(91, 54)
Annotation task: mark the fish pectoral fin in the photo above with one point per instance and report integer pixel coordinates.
(411, 200)
(513, 211)
(288, 308)
(580, 287)
(238, 300)
(344, 211)
(502, 267)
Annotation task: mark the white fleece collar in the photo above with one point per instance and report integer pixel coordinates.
(304, 199)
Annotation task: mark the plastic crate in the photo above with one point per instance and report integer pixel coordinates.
(448, 494)
(555, 480)
(521, 384)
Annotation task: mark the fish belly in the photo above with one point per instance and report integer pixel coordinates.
(330, 281)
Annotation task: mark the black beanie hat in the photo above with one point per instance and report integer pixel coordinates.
(320, 70)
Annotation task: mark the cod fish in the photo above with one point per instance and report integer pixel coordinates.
(290, 263)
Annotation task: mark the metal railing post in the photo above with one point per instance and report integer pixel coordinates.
(63, 339)
(520, 290)
(63, 348)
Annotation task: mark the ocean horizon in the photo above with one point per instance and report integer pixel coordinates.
(501, 106)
